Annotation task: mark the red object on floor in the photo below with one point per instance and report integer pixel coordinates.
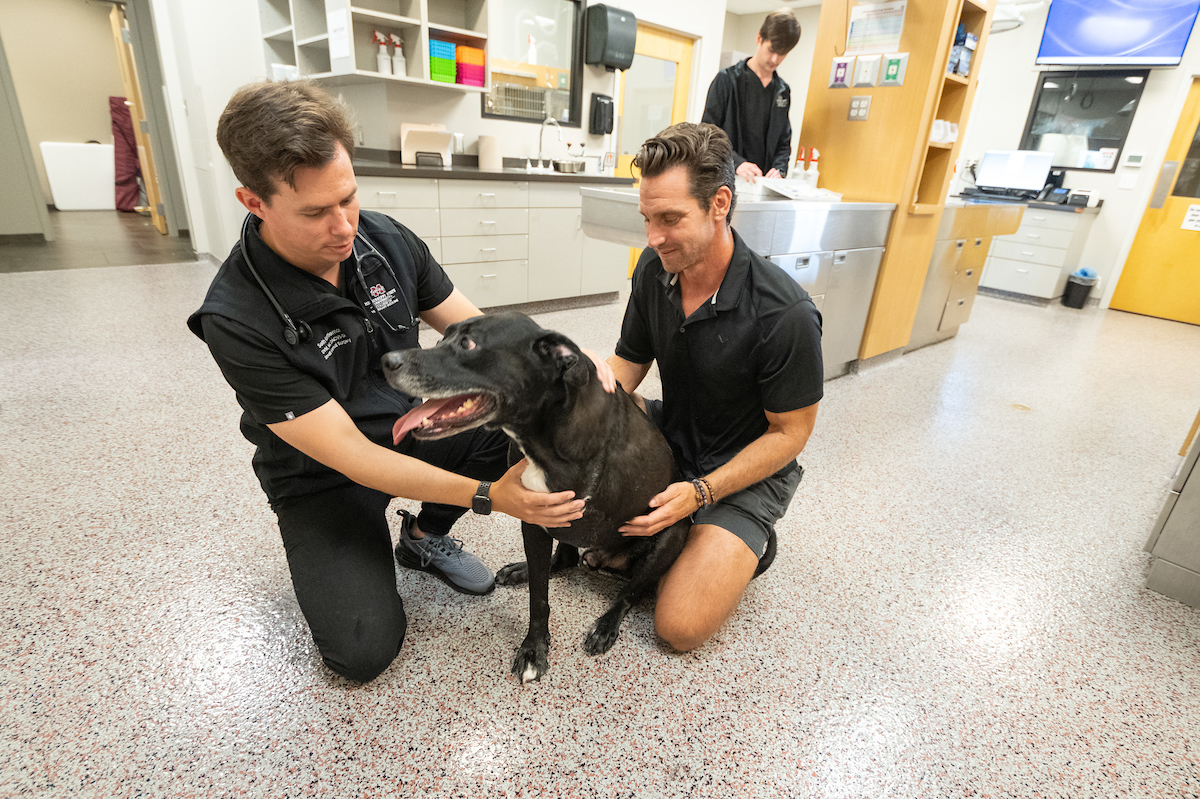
(125, 153)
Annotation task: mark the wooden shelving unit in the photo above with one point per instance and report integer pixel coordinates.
(889, 157)
(296, 33)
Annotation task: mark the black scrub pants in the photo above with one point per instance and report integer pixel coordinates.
(339, 551)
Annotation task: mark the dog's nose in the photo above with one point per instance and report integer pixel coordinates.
(393, 360)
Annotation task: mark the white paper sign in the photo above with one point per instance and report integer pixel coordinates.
(876, 28)
(339, 34)
(1191, 220)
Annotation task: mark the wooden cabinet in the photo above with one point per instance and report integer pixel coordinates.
(333, 39)
(960, 253)
(1037, 259)
(888, 157)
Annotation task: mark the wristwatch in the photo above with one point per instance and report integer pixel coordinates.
(481, 503)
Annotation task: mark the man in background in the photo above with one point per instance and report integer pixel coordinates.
(751, 103)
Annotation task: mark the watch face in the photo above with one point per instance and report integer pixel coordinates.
(481, 503)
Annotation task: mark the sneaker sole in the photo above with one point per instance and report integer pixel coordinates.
(405, 559)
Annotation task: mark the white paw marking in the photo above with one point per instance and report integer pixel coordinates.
(529, 675)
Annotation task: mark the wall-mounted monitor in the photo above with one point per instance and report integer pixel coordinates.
(1117, 32)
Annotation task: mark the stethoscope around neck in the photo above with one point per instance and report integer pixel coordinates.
(297, 333)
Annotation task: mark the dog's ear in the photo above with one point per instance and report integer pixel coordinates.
(574, 367)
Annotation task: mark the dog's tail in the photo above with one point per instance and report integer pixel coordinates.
(768, 557)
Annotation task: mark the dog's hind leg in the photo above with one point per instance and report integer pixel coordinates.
(643, 581)
(532, 660)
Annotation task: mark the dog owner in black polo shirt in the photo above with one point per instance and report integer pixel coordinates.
(738, 347)
(297, 318)
(751, 103)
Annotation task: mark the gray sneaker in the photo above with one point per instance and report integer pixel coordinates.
(443, 557)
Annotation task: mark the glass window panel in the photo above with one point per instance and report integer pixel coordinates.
(649, 97)
(534, 50)
(1188, 184)
(1084, 117)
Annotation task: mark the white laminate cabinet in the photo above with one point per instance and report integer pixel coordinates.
(502, 241)
(1038, 258)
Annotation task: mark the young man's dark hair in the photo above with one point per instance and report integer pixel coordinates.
(781, 29)
(706, 152)
(270, 129)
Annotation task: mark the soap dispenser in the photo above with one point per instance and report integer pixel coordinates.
(797, 170)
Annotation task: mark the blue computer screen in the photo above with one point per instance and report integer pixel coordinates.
(1118, 32)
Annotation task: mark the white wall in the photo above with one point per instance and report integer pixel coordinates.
(1006, 86)
(740, 32)
(64, 65)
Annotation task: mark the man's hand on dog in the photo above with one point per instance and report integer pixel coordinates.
(509, 495)
(603, 371)
(674, 503)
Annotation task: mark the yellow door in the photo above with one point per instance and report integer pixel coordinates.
(1162, 273)
(653, 95)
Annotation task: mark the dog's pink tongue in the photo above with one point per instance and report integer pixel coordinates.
(415, 417)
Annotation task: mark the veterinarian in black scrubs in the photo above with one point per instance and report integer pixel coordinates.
(297, 319)
(751, 103)
(738, 347)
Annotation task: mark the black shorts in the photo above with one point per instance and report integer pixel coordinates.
(751, 513)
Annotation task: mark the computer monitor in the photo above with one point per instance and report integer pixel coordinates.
(1013, 170)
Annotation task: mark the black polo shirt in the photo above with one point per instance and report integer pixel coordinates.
(275, 381)
(755, 346)
(757, 101)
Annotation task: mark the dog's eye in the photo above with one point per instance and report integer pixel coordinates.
(465, 343)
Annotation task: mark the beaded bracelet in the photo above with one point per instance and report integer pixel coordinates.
(703, 492)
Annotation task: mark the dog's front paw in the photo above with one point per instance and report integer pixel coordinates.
(602, 635)
(531, 661)
(513, 574)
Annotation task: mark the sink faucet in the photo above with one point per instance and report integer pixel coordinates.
(541, 136)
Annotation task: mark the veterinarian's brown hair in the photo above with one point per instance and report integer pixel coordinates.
(706, 152)
(782, 30)
(270, 129)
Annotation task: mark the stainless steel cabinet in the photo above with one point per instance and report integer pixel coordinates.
(841, 283)
(1174, 543)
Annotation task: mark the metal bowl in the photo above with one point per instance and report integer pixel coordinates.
(569, 166)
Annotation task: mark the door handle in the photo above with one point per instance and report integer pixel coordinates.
(1166, 176)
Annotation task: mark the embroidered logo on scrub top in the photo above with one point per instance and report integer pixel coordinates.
(781, 102)
(382, 298)
(331, 341)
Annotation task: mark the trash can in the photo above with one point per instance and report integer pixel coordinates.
(1079, 286)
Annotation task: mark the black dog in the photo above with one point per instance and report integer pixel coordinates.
(503, 370)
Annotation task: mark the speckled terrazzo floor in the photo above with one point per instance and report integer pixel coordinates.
(957, 608)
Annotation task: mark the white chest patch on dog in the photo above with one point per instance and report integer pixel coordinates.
(533, 477)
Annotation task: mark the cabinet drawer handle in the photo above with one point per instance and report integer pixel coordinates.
(1039, 218)
(960, 303)
(487, 275)
(1023, 271)
(487, 194)
(958, 245)
(487, 249)
(1032, 236)
(486, 222)
(978, 242)
(970, 272)
(1027, 253)
(839, 259)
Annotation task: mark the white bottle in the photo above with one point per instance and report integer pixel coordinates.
(399, 64)
(383, 61)
(812, 173)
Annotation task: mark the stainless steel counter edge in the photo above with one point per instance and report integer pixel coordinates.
(768, 226)
(380, 170)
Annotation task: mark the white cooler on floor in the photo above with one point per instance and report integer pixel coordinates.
(81, 175)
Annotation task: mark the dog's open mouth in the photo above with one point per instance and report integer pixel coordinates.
(438, 418)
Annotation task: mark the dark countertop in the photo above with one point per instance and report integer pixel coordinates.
(976, 199)
(382, 164)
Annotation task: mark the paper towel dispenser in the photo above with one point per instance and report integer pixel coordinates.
(611, 35)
